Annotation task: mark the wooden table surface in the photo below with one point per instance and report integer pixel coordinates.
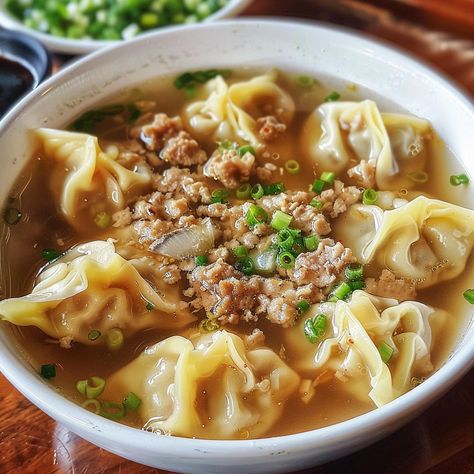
(439, 441)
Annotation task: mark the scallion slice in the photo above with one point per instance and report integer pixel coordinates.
(302, 306)
(354, 271)
(208, 325)
(340, 291)
(281, 220)
(102, 220)
(274, 188)
(115, 339)
(91, 403)
(285, 239)
(48, 371)
(369, 196)
(419, 177)
(332, 97)
(50, 254)
(292, 166)
(286, 260)
(131, 401)
(469, 295)
(245, 265)
(385, 351)
(257, 191)
(11, 215)
(315, 328)
(93, 335)
(305, 81)
(328, 177)
(318, 186)
(246, 149)
(219, 196)
(244, 191)
(255, 215)
(149, 306)
(456, 180)
(112, 411)
(316, 203)
(357, 285)
(311, 243)
(201, 260)
(240, 251)
(92, 387)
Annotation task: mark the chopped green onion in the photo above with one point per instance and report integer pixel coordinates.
(112, 411)
(305, 81)
(369, 196)
(50, 254)
(131, 401)
(93, 335)
(320, 324)
(91, 388)
(318, 186)
(328, 177)
(332, 97)
(219, 196)
(240, 251)
(200, 77)
(302, 306)
(244, 191)
(102, 220)
(208, 325)
(11, 215)
(286, 260)
(91, 403)
(274, 188)
(149, 306)
(115, 339)
(48, 371)
(357, 285)
(316, 203)
(292, 166)
(191, 91)
(280, 220)
(201, 260)
(419, 177)
(245, 265)
(133, 113)
(246, 149)
(257, 191)
(255, 215)
(285, 239)
(385, 351)
(456, 180)
(315, 328)
(227, 145)
(354, 271)
(339, 291)
(311, 243)
(469, 296)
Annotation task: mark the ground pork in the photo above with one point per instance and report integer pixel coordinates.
(228, 167)
(363, 174)
(323, 266)
(337, 200)
(122, 218)
(266, 173)
(387, 285)
(162, 128)
(270, 128)
(255, 339)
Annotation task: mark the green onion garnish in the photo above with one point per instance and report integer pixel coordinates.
(102, 220)
(200, 77)
(332, 97)
(369, 196)
(255, 215)
(88, 404)
(12, 215)
(208, 325)
(419, 177)
(315, 328)
(274, 188)
(240, 251)
(292, 166)
(357, 285)
(469, 296)
(354, 271)
(93, 335)
(385, 351)
(227, 145)
(286, 260)
(50, 254)
(280, 220)
(131, 401)
(318, 186)
(339, 291)
(285, 239)
(112, 411)
(257, 191)
(201, 260)
(133, 113)
(311, 243)
(328, 177)
(149, 306)
(246, 149)
(244, 191)
(219, 196)
(91, 388)
(245, 265)
(456, 180)
(316, 203)
(48, 371)
(305, 81)
(302, 306)
(115, 339)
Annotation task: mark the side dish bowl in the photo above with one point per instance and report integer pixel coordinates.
(303, 48)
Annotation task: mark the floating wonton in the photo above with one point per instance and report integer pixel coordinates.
(378, 149)
(230, 112)
(355, 329)
(213, 388)
(87, 181)
(425, 240)
(93, 288)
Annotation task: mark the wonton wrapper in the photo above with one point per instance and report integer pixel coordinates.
(244, 390)
(85, 180)
(230, 112)
(92, 287)
(354, 331)
(355, 131)
(425, 241)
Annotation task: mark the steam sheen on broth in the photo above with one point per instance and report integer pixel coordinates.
(225, 312)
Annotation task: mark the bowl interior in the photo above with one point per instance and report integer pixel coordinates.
(303, 48)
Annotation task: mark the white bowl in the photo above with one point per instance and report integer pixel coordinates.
(83, 46)
(319, 50)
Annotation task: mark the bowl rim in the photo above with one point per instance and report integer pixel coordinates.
(82, 46)
(44, 396)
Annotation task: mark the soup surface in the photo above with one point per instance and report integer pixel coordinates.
(238, 254)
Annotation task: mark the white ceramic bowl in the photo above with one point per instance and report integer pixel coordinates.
(318, 50)
(73, 46)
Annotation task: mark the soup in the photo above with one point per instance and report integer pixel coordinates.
(237, 254)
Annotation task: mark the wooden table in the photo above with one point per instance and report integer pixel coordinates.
(439, 441)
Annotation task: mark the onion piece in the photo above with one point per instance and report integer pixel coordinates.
(186, 242)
